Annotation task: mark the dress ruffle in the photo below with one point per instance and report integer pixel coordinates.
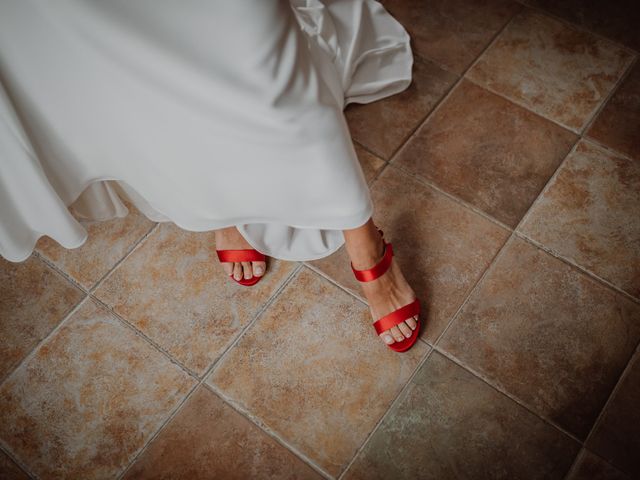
(356, 52)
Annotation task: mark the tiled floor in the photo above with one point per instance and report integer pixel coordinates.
(508, 179)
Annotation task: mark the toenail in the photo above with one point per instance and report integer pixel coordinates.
(388, 339)
(258, 270)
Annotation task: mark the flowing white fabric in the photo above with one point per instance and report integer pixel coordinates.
(204, 113)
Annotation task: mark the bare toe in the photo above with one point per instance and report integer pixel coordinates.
(237, 271)
(248, 270)
(412, 322)
(386, 337)
(227, 267)
(404, 328)
(258, 268)
(397, 334)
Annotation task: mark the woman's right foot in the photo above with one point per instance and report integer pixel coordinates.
(229, 238)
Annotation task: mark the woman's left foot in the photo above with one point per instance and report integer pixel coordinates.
(386, 293)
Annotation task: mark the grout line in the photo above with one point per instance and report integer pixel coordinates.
(463, 203)
(24, 361)
(583, 453)
(605, 101)
(609, 150)
(504, 392)
(392, 406)
(461, 77)
(431, 113)
(547, 186)
(491, 267)
(426, 59)
(202, 380)
(443, 99)
(424, 117)
(86, 290)
(132, 249)
(604, 282)
(290, 278)
(32, 353)
(348, 291)
(475, 287)
(60, 271)
(146, 338)
(73, 308)
(600, 417)
(428, 113)
(335, 282)
(379, 172)
(576, 462)
(368, 150)
(593, 115)
(257, 422)
(614, 391)
(524, 236)
(577, 26)
(523, 106)
(17, 461)
(171, 415)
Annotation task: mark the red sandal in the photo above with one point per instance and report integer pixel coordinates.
(244, 255)
(397, 316)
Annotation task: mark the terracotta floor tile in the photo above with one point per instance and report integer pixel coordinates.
(313, 370)
(591, 215)
(34, 298)
(9, 470)
(174, 290)
(551, 68)
(618, 124)
(592, 467)
(108, 242)
(89, 399)
(336, 266)
(442, 247)
(448, 424)
(451, 32)
(371, 165)
(383, 126)
(617, 19)
(208, 439)
(617, 435)
(548, 334)
(487, 151)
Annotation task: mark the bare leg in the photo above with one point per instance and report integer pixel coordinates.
(387, 292)
(230, 239)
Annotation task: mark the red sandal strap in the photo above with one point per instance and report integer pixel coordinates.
(378, 269)
(245, 255)
(397, 316)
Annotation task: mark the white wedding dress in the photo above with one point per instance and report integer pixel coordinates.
(203, 113)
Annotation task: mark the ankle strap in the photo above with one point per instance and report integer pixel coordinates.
(378, 269)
